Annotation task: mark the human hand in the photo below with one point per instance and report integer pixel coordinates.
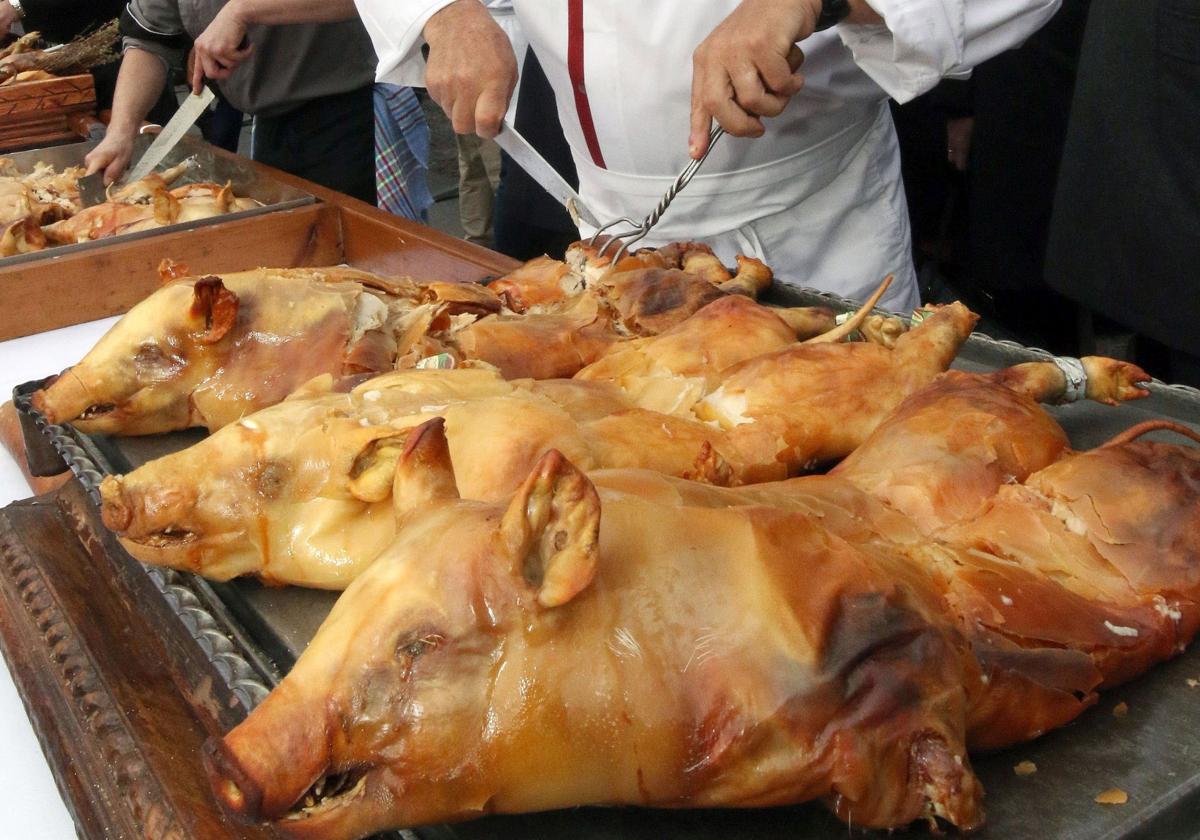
(8, 17)
(471, 70)
(958, 141)
(221, 47)
(746, 68)
(112, 155)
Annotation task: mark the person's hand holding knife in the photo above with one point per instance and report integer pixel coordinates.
(221, 47)
(471, 71)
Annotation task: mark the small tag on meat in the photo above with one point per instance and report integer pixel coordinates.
(856, 335)
(442, 361)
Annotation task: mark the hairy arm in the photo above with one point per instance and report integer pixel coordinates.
(223, 45)
(139, 84)
(747, 68)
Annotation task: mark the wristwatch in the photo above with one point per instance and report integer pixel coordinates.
(16, 7)
(832, 11)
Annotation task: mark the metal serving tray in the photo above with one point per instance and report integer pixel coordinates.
(1152, 752)
(211, 167)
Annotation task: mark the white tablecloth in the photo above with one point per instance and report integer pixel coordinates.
(33, 809)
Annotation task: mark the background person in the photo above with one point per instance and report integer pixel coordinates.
(1125, 233)
(308, 85)
(62, 21)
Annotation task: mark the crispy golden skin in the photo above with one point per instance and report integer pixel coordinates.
(298, 493)
(629, 638)
(206, 351)
(382, 324)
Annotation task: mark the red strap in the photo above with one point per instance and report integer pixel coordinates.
(575, 69)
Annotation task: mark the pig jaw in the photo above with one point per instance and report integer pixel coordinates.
(68, 397)
(160, 523)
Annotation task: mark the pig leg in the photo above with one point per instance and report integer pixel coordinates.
(752, 278)
(1105, 380)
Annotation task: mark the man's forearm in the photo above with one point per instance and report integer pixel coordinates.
(274, 12)
(139, 84)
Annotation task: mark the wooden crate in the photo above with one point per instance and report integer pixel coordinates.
(43, 113)
(60, 290)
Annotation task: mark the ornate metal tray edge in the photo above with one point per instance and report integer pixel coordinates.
(246, 670)
(249, 675)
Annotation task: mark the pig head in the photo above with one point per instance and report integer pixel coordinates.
(296, 493)
(301, 492)
(599, 643)
(205, 351)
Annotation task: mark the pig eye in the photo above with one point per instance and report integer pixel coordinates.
(415, 647)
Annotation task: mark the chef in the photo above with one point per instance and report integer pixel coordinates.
(818, 196)
(308, 85)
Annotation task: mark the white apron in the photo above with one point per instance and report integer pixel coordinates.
(818, 198)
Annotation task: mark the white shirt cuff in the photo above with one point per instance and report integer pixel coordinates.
(917, 43)
(923, 41)
(396, 32)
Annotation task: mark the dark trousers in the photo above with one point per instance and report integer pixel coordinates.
(329, 140)
(529, 222)
(222, 126)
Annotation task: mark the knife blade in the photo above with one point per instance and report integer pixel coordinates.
(91, 189)
(528, 158)
(172, 133)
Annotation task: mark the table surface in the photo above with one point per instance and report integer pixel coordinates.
(33, 808)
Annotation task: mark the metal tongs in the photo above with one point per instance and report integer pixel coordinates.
(638, 230)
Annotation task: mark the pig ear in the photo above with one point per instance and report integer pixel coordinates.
(216, 305)
(413, 466)
(424, 475)
(552, 530)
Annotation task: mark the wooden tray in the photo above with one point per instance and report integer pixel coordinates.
(64, 289)
(43, 113)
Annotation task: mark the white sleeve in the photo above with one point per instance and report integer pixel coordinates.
(395, 28)
(920, 42)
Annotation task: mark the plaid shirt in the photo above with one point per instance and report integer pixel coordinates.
(401, 153)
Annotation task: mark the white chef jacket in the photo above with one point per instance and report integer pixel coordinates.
(819, 197)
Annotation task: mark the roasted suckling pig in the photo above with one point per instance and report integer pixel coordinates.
(298, 493)
(965, 581)
(455, 322)
(49, 198)
(203, 351)
(41, 196)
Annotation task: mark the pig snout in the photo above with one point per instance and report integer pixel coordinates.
(273, 763)
(237, 792)
(115, 510)
(150, 509)
(63, 397)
